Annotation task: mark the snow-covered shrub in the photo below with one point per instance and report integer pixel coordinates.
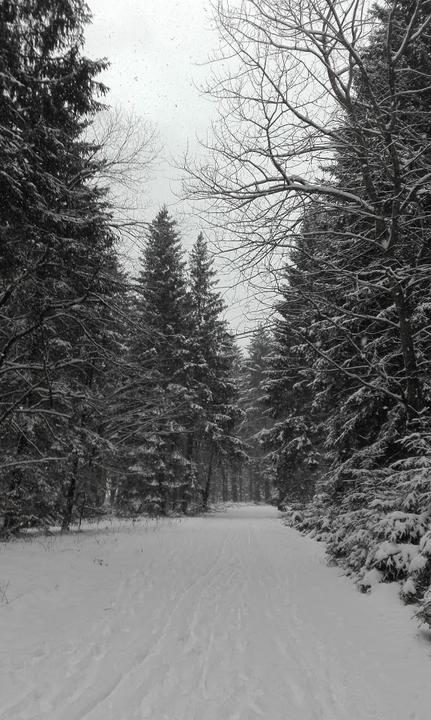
(399, 527)
(393, 559)
(424, 612)
(369, 579)
(349, 539)
(376, 522)
(419, 573)
(402, 547)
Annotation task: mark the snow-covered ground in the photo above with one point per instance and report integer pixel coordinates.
(230, 617)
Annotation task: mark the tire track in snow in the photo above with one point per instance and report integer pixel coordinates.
(83, 704)
(227, 618)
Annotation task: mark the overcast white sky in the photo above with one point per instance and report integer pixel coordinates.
(158, 51)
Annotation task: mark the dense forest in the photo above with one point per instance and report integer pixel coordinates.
(328, 168)
(126, 392)
(118, 393)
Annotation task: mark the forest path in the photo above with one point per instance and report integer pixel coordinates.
(230, 617)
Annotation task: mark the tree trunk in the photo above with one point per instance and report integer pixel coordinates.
(207, 487)
(70, 495)
(186, 491)
(106, 482)
(225, 496)
(11, 517)
(239, 481)
(251, 483)
(234, 486)
(414, 397)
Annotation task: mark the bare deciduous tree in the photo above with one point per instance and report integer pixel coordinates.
(301, 91)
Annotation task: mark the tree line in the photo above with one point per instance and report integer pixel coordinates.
(329, 167)
(116, 393)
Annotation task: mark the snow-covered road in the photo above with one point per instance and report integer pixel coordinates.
(231, 617)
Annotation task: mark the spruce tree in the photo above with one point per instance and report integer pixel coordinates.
(214, 445)
(256, 419)
(160, 392)
(356, 312)
(57, 253)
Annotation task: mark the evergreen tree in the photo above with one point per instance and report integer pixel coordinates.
(57, 254)
(355, 311)
(160, 392)
(256, 421)
(213, 443)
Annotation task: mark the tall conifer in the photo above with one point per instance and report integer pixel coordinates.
(213, 443)
(56, 251)
(160, 353)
